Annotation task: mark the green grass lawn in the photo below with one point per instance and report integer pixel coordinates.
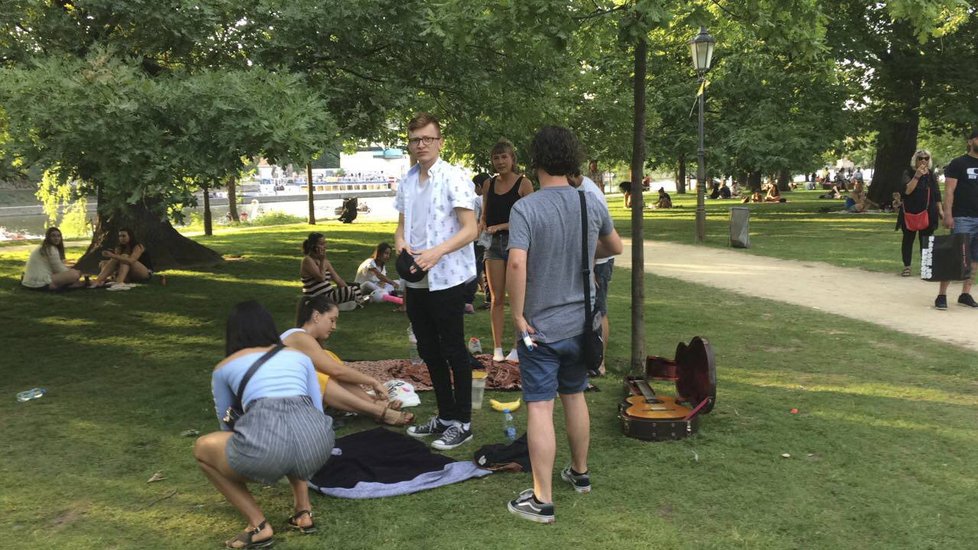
(882, 451)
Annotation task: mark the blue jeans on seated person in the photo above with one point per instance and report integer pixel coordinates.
(552, 368)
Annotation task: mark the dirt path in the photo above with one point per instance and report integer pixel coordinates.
(861, 295)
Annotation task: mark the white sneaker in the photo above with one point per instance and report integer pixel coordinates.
(513, 357)
(497, 355)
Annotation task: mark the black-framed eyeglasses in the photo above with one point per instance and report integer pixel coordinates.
(923, 158)
(427, 140)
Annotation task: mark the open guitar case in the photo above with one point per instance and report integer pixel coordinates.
(650, 417)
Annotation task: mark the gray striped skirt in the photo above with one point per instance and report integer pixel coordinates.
(280, 436)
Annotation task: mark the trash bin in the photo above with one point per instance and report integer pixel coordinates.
(740, 227)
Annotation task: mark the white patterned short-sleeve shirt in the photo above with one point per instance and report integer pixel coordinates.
(450, 190)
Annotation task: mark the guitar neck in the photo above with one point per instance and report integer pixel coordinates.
(646, 390)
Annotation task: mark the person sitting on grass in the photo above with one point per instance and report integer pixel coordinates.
(339, 385)
(127, 262)
(725, 191)
(282, 433)
(664, 200)
(858, 200)
(320, 278)
(773, 194)
(372, 273)
(753, 197)
(46, 269)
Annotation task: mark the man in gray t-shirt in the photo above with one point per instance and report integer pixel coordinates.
(549, 229)
(546, 292)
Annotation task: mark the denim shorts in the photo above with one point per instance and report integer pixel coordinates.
(497, 249)
(602, 278)
(552, 368)
(970, 226)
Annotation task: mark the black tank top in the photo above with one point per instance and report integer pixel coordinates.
(498, 207)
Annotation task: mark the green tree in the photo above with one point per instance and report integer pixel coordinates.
(140, 103)
(917, 57)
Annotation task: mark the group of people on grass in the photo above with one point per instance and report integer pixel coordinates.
(536, 238)
(46, 269)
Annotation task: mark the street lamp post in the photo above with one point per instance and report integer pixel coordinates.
(701, 48)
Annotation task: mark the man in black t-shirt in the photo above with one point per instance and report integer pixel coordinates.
(961, 213)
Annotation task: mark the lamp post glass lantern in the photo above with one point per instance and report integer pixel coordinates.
(701, 48)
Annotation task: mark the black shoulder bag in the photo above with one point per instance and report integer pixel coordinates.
(593, 342)
(236, 410)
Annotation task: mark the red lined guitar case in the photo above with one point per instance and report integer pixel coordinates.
(651, 417)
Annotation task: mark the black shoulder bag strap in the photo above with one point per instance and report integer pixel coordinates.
(238, 405)
(585, 266)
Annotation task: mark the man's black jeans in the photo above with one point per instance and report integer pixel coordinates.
(438, 321)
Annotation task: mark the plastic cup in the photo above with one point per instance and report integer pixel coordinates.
(478, 388)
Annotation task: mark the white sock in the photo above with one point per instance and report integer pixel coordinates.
(445, 422)
(497, 352)
(467, 426)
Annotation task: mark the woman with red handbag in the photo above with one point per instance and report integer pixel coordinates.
(920, 214)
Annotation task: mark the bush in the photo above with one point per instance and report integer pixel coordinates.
(274, 218)
(74, 221)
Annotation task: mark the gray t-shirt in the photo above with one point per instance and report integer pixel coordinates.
(547, 224)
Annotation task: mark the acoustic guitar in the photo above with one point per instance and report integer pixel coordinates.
(645, 404)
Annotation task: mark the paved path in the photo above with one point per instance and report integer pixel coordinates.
(864, 295)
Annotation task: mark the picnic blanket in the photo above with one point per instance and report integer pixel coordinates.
(501, 376)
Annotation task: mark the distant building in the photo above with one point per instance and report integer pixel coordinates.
(375, 161)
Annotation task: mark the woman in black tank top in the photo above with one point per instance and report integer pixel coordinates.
(507, 187)
(128, 262)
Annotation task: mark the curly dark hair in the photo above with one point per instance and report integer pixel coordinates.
(557, 151)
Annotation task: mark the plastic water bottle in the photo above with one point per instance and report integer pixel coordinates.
(413, 342)
(415, 357)
(30, 394)
(509, 426)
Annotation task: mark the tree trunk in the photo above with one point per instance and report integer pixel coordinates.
(167, 248)
(784, 179)
(900, 73)
(233, 198)
(681, 175)
(312, 201)
(637, 362)
(754, 180)
(208, 223)
(895, 144)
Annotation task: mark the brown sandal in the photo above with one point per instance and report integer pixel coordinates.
(248, 538)
(294, 522)
(401, 418)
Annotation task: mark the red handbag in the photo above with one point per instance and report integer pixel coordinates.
(919, 221)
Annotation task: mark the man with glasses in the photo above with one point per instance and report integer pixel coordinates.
(961, 213)
(437, 225)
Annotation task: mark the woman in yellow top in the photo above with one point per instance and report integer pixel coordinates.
(340, 385)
